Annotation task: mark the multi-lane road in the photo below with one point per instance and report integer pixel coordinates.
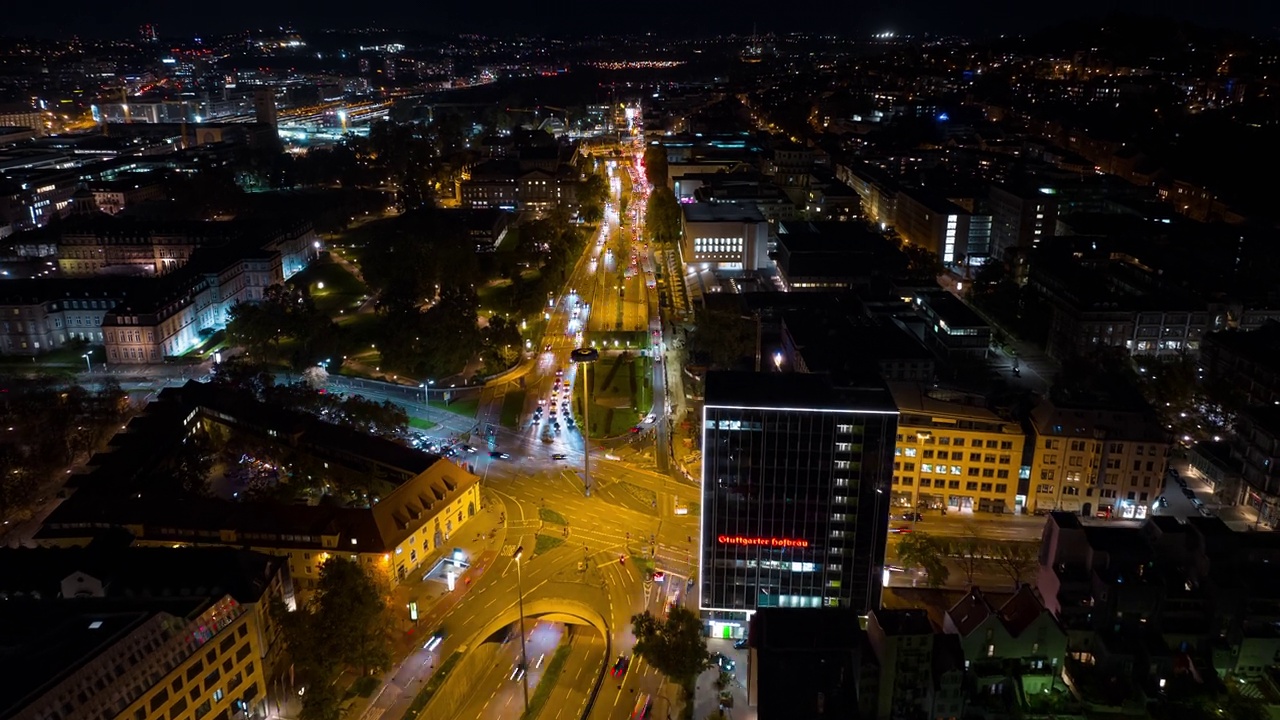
(632, 519)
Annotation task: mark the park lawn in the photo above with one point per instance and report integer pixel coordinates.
(420, 423)
(215, 342)
(341, 291)
(468, 406)
(512, 405)
(70, 356)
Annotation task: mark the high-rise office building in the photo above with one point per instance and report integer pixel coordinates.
(795, 494)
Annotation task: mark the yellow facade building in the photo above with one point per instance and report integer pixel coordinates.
(1097, 459)
(139, 633)
(953, 453)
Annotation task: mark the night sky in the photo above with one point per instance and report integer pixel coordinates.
(694, 17)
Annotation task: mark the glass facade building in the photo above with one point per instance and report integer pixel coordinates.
(795, 493)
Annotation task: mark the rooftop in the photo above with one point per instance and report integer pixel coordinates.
(721, 212)
(796, 391)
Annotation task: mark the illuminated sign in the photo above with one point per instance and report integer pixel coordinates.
(765, 542)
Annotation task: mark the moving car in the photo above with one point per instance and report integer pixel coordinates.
(434, 641)
(724, 662)
(558, 456)
(620, 666)
(741, 644)
(499, 455)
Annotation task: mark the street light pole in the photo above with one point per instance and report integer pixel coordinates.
(88, 365)
(524, 657)
(584, 357)
(426, 397)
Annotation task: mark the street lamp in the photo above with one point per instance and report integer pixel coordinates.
(88, 365)
(524, 657)
(584, 357)
(777, 361)
(426, 395)
(921, 437)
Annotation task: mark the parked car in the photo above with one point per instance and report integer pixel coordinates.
(741, 644)
(911, 516)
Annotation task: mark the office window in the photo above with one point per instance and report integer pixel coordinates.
(971, 486)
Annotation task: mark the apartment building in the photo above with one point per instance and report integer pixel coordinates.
(109, 632)
(953, 453)
(1113, 302)
(1245, 364)
(942, 227)
(1096, 453)
(1256, 447)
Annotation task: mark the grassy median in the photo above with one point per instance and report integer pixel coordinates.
(547, 542)
(433, 685)
(512, 406)
(548, 682)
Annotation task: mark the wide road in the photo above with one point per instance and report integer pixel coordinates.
(501, 692)
(633, 517)
(586, 659)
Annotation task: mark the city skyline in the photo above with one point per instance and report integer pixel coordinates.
(694, 20)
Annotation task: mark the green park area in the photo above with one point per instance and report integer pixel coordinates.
(332, 286)
(621, 392)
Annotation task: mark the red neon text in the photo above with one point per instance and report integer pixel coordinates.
(768, 542)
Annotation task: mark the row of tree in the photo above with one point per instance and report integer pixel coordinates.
(969, 554)
(284, 325)
(47, 426)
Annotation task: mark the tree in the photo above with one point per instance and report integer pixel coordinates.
(352, 608)
(1015, 559)
(923, 551)
(187, 473)
(723, 339)
(675, 646)
(315, 377)
(592, 196)
(969, 552)
(655, 165)
(344, 624)
(662, 216)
